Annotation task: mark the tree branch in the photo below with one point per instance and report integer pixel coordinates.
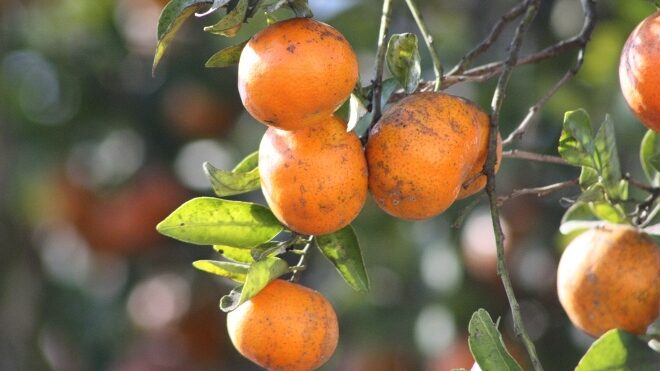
(380, 63)
(589, 8)
(538, 191)
(531, 156)
(495, 32)
(428, 40)
(531, 8)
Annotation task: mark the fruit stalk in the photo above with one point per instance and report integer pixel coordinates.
(428, 40)
(380, 62)
(532, 7)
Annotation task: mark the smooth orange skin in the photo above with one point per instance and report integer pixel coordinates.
(609, 277)
(285, 327)
(639, 71)
(295, 73)
(471, 185)
(421, 151)
(314, 179)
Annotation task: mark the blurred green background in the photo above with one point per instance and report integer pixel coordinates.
(94, 152)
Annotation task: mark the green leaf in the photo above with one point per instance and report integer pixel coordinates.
(403, 60)
(607, 158)
(576, 144)
(259, 275)
(650, 148)
(226, 57)
(299, 7)
(604, 210)
(578, 217)
(249, 163)
(237, 254)
(389, 87)
(228, 183)
(170, 21)
(343, 250)
(230, 24)
(619, 350)
(588, 177)
(486, 344)
(231, 270)
(214, 221)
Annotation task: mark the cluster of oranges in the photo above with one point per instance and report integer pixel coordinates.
(425, 152)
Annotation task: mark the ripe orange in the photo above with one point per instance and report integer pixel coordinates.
(314, 179)
(421, 151)
(295, 73)
(639, 71)
(609, 277)
(285, 327)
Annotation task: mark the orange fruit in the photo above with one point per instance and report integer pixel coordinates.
(472, 185)
(285, 327)
(314, 179)
(421, 151)
(609, 277)
(295, 73)
(639, 71)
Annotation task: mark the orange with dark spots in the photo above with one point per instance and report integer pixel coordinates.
(285, 327)
(639, 71)
(474, 184)
(314, 179)
(296, 73)
(421, 151)
(609, 277)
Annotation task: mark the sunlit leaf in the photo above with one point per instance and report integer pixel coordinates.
(649, 154)
(588, 176)
(226, 57)
(619, 350)
(343, 250)
(356, 111)
(229, 183)
(576, 144)
(214, 221)
(403, 60)
(231, 270)
(607, 158)
(170, 21)
(237, 254)
(487, 346)
(249, 163)
(230, 24)
(606, 211)
(259, 275)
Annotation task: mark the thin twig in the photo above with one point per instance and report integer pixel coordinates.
(428, 39)
(495, 32)
(584, 36)
(531, 156)
(538, 191)
(531, 8)
(380, 63)
(636, 183)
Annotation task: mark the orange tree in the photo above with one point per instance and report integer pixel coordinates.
(424, 149)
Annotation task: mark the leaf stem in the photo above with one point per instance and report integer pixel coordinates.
(428, 40)
(531, 9)
(301, 263)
